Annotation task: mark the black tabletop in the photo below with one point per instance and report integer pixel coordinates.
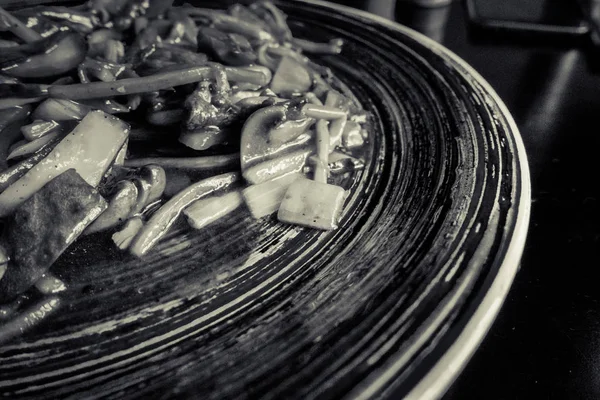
(545, 343)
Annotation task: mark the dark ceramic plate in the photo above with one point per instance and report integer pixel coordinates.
(393, 302)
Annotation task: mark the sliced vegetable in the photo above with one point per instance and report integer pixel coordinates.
(82, 21)
(90, 149)
(265, 198)
(321, 161)
(122, 154)
(29, 148)
(206, 211)
(204, 138)
(272, 168)
(163, 219)
(106, 71)
(60, 110)
(15, 114)
(160, 81)
(313, 204)
(53, 56)
(123, 238)
(16, 144)
(10, 22)
(119, 207)
(10, 121)
(26, 318)
(98, 39)
(289, 130)
(21, 90)
(86, 74)
(114, 51)
(143, 190)
(352, 136)
(4, 258)
(336, 129)
(324, 112)
(15, 172)
(244, 94)
(337, 126)
(43, 226)
(291, 77)
(255, 144)
(11, 102)
(150, 182)
(316, 204)
(50, 284)
(201, 163)
(189, 28)
(155, 175)
(39, 128)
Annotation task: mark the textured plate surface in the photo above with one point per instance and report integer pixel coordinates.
(395, 301)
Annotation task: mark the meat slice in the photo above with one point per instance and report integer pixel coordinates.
(41, 228)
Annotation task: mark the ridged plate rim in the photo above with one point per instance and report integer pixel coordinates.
(439, 378)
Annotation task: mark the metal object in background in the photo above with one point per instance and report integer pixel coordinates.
(591, 10)
(563, 24)
(528, 22)
(428, 17)
(426, 3)
(430, 21)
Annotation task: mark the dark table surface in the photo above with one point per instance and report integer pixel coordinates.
(545, 343)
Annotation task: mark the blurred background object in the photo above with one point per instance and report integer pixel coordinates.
(427, 17)
(540, 22)
(426, 3)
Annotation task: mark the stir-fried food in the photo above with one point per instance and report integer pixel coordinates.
(119, 117)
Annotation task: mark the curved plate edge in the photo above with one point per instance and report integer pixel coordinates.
(438, 380)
